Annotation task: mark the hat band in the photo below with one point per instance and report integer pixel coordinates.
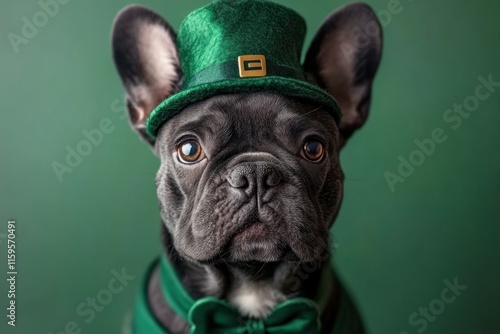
(231, 70)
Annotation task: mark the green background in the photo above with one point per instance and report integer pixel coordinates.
(396, 248)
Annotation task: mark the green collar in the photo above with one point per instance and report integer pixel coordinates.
(211, 315)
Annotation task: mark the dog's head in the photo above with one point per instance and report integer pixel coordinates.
(253, 176)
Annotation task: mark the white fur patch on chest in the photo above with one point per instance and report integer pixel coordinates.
(255, 299)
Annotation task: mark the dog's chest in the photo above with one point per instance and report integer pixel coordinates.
(255, 299)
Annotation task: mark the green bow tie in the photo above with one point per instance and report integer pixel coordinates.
(211, 315)
(215, 316)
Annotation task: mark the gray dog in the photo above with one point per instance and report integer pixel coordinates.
(250, 181)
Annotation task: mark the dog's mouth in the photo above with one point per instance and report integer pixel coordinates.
(257, 243)
(254, 233)
(280, 231)
(253, 244)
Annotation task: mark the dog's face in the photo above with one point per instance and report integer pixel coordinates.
(249, 177)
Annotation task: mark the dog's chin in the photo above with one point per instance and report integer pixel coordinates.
(256, 243)
(261, 252)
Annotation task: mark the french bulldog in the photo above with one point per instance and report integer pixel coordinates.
(249, 183)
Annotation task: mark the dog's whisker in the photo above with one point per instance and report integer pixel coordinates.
(310, 112)
(258, 272)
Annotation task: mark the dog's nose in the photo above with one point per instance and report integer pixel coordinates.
(254, 177)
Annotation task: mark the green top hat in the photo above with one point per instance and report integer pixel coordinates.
(240, 46)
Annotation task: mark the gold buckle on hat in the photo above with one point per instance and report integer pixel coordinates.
(252, 66)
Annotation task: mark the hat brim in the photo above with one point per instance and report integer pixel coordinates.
(272, 84)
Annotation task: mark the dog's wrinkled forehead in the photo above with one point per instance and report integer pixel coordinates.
(255, 120)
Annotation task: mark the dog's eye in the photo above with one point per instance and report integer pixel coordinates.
(313, 151)
(190, 152)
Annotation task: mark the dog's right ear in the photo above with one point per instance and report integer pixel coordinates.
(146, 57)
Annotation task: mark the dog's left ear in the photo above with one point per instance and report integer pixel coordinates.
(343, 59)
